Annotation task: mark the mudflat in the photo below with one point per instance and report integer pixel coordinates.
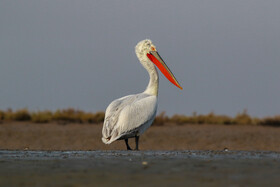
(170, 155)
(139, 168)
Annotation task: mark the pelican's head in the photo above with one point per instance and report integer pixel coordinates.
(144, 47)
(146, 52)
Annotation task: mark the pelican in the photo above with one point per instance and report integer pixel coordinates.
(130, 116)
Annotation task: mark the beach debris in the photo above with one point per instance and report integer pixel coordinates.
(144, 163)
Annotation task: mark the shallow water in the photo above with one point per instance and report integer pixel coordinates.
(137, 168)
(52, 155)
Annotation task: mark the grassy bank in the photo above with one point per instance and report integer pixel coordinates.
(78, 116)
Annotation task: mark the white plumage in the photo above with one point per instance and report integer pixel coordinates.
(130, 116)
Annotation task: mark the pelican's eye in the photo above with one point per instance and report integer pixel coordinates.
(153, 48)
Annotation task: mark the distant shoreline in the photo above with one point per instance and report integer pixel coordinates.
(70, 115)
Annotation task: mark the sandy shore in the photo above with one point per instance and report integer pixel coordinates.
(170, 137)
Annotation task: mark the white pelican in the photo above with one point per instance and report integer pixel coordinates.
(130, 116)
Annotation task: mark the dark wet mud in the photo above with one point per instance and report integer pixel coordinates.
(138, 168)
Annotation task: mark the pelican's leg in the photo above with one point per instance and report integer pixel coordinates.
(136, 142)
(126, 143)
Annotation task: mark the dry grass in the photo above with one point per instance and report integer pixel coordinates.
(71, 115)
(64, 116)
(271, 121)
(240, 119)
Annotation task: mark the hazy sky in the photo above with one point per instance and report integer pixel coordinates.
(80, 54)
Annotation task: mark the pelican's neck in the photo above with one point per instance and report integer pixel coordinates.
(141, 50)
(152, 87)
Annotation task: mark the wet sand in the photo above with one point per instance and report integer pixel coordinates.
(138, 168)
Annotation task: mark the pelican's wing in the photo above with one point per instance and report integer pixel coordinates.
(126, 114)
(112, 114)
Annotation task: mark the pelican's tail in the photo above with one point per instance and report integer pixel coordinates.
(111, 138)
(106, 140)
(109, 134)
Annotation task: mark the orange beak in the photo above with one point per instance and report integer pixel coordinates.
(157, 60)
